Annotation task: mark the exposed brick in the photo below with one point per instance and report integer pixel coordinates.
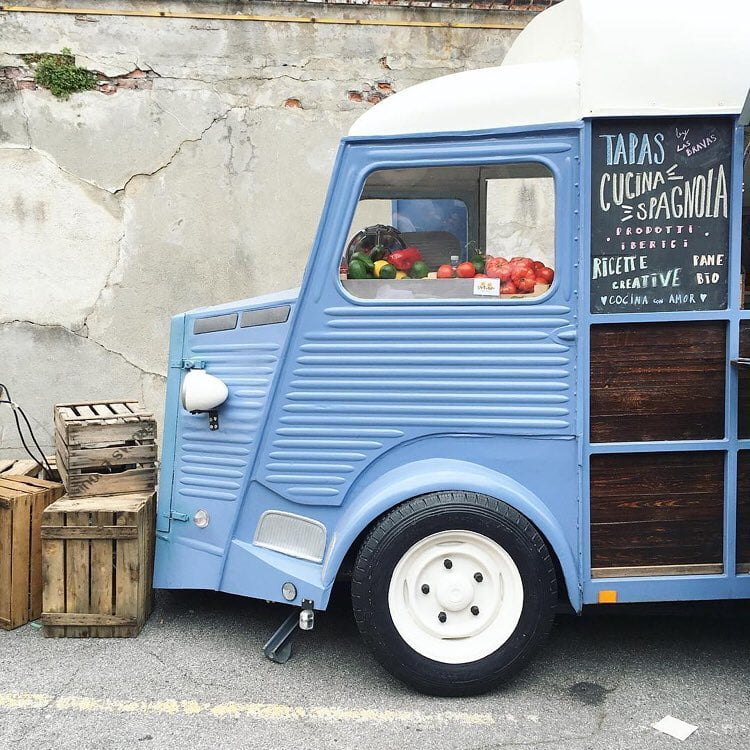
(374, 97)
(355, 96)
(384, 87)
(137, 73)
(108, 88)
(12, 71)
(27, 85)
(293, 104)
(126, 83)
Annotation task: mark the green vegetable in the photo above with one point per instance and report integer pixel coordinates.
(478, 262)
(388, 271)
(357, 270)
(419, 270)
(363, 258)
(378, 253)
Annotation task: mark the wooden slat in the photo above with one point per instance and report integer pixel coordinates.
(93, 458)
(91, 403)
(21, 467)
(131, 480)
(20, 564)
(39, 502)
(53, 571)
(84, 411)
(656, 543)
(658, 570)
(96, 435)
(102, 573)
(87, 619)
(91, 532)
(77, 573)
(6, 556)
(127, 573)
(6, 463)
(657, 381)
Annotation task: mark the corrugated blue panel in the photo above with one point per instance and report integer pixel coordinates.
(498, 371)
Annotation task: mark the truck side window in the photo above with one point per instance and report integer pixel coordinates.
(428, 233)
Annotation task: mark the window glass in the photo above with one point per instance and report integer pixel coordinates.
(453, 232)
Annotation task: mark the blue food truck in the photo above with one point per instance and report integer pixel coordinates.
(515, 375)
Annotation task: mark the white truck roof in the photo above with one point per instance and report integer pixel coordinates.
(589, 58)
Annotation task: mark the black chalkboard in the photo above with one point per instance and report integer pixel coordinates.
(660, 214)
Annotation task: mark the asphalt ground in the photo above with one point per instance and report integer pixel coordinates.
(196, 678)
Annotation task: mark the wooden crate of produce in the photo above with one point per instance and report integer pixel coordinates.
(97, 566)
(105, 448)
(22, 500)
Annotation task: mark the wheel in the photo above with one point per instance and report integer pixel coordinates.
(453, 591)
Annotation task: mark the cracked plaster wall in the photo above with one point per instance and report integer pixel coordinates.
(202, 187)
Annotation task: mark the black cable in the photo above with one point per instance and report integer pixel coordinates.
(16, 409)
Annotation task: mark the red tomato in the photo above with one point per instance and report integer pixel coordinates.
(492, 267)
(525, 283)
(538, 264)
(545, 275)
(522, 258)
(508, 288)
(506, 271)
(465, 270)
(480, 275)
(445, 272)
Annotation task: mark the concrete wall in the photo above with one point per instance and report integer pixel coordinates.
(193, 175)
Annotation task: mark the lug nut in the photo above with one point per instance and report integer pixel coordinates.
(475, 611)
(478, 577)
(425, 588)
(442, 617)
(448, 563)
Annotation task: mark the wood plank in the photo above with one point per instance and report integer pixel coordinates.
(94, 458)
(84, 411)
(99, 435)
(6, 556)
(656, 543)
(77, 578)
(20, 564)
(39, 502)
(127, 573)
(90, 620)
(102, 573)
(91, 532)
(658, 570)
(657, 381)
(6, 463)
(21, 467)
(129, 481)
(685, 485)
(53, 571)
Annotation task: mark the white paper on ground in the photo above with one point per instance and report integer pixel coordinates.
(675, 727)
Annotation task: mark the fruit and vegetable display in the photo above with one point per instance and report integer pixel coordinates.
(517, 275)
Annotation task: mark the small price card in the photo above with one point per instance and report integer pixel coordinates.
(488, 287)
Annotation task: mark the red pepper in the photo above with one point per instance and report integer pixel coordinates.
(403, 260)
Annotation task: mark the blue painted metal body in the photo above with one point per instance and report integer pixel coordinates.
(353, 406)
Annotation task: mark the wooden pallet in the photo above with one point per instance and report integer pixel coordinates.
(97, 562)
(105, 448)
(22, 501)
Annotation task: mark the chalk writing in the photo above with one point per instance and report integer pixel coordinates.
(660, 214)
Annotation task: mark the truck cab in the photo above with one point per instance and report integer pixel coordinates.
(514, 373)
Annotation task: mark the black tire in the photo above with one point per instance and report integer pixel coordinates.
(411, 522)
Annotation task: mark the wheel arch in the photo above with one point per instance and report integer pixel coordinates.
(431, 475)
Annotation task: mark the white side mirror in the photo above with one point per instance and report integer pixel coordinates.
(202, 392)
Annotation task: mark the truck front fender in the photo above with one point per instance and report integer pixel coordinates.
(432, 475)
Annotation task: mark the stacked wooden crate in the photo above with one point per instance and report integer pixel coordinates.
(22, 501)
(98, 541)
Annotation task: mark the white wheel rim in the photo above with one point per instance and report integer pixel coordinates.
(468, 610)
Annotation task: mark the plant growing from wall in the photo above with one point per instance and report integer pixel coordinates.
(59, 73)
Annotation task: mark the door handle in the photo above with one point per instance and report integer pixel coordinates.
(741, 362)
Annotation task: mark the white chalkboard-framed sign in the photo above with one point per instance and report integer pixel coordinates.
(660, 214)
